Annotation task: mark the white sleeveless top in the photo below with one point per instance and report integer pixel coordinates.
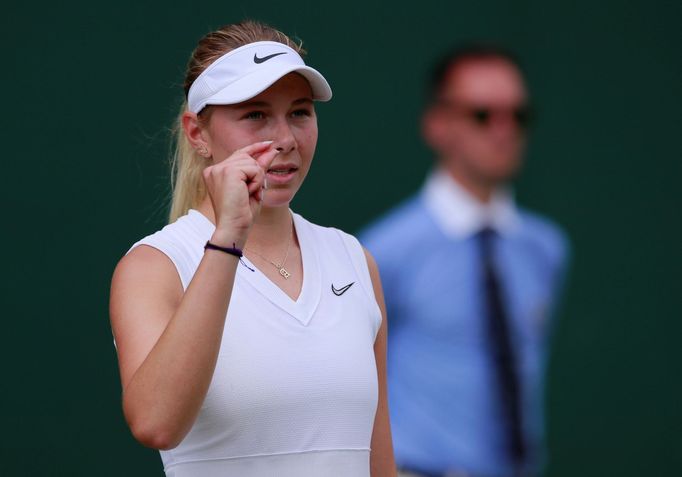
(294, 391)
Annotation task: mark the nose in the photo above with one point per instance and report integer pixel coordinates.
(284, 139)
(505, 127)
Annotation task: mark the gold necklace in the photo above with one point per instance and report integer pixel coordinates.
(280, 267)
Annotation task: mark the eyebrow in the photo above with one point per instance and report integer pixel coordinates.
(303, 100)
(252, 104)
(263, 104)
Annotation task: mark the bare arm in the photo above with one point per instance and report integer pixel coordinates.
(382, 462)
(167, 340)
(167, 343)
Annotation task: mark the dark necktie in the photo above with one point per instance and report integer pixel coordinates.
(504, 360)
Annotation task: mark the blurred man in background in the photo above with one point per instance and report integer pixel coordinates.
(470, 281)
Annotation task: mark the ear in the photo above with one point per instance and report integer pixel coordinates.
(433, 129)
(196, 133)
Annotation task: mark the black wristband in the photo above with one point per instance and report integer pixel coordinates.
(229, 250)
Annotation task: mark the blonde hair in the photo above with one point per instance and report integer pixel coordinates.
(187, 165)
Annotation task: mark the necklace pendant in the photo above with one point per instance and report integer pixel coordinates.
(283, 271)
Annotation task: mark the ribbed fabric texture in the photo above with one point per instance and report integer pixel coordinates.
(294, 391)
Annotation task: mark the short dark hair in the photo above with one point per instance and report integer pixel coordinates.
(461, 54)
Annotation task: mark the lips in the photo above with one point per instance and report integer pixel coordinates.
(281, 173)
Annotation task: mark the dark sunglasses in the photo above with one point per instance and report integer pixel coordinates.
(483, 116)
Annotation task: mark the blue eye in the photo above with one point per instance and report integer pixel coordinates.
(301, 113)
(254, 115)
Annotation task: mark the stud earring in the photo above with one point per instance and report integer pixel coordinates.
(202, 151)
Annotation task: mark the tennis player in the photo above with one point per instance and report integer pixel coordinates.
(250, 341)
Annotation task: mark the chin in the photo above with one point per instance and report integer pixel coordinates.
(277, 198)
(501, 170)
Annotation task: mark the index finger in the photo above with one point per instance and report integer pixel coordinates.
(255, 148)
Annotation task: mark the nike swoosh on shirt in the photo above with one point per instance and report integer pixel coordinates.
(266, 58)
(342, 290)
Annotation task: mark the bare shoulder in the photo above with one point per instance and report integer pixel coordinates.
(146, 265)
(373, 268)
(145, 292)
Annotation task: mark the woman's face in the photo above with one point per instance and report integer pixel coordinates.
(283, 113)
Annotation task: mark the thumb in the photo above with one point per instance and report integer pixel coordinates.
(265, 159)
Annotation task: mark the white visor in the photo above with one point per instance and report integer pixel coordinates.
(249, 70)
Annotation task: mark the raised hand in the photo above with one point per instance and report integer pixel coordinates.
(236, 187)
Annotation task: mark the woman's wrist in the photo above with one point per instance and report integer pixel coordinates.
(234, 251)
(228, 239)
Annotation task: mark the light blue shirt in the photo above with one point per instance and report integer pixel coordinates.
(445, 413)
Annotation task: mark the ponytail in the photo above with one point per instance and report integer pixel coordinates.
(187, 183)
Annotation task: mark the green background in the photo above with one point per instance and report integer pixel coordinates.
(89, 91)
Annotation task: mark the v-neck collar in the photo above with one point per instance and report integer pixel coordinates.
(303, 308)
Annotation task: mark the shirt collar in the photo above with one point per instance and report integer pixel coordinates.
(460, 215)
